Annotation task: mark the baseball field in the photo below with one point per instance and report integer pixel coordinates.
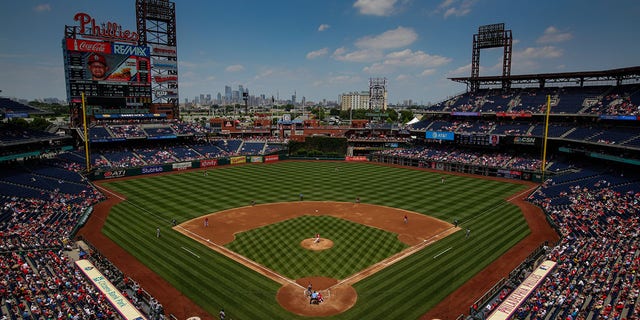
(405, 289)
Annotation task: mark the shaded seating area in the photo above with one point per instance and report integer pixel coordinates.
(39, 279)
(252, 147)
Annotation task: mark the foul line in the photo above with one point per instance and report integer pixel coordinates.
(187, 250)
(437, 255)
(393, 259)
(522, 193)
(240, 258)
(230, 254)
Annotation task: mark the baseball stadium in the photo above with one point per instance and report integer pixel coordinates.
(517, 199)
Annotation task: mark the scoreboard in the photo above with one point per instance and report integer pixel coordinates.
(478, 139)
(127, 71)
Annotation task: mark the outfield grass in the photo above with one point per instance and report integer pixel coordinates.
(405, 290)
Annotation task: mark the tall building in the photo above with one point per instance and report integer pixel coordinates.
(227, 94)
(235, 96)
(354, 100)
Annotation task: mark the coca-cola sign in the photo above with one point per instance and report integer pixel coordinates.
(105, 30)
(88, 46)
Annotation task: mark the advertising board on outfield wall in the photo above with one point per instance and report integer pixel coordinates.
(154, 169)
(120, 173)
(255, 159)
(238, 160)
(356, 158)
(208, 163)
(181, 166)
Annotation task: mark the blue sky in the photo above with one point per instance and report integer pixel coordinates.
(322, 48)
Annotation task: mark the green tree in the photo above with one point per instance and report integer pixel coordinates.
(360, 113)
(406, 116)
(335, 112)
(39, 124)
(392, 115)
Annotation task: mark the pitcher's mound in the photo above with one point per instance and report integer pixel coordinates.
(311, 244)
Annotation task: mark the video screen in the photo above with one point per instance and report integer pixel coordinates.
(110, 62)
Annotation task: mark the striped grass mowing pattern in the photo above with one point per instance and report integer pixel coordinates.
(404, 290)
(277, 247)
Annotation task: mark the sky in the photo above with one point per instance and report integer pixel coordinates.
(319, 49)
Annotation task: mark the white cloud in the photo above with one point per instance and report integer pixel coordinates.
(553, 35)
(375, 7)
(377, 68)
(406, 59)
(323, 27)
(427, 72)
(366, 55)
(373, 47)
(42, 7)
(317, 53)
(341, 79)
(395, 38)
(186, 64)
(456, 8)
(461, 71)
(546, 52)
(234, 68)
(447, 3)
(531, 59)
(403, 77)
(344, 79)
(265, 74)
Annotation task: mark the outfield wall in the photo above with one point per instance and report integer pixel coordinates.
(101, 174)
(460, 167)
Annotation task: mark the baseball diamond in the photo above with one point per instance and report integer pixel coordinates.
(213, 280)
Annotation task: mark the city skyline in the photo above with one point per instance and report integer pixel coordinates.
(321, 49)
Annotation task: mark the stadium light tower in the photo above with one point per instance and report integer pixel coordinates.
(377, 97)
(491, 36)
(245, 97)
(156, 26)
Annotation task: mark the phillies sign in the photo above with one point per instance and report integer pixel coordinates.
(106, 30)
(88, 46)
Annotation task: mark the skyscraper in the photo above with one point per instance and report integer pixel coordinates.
(227, 94)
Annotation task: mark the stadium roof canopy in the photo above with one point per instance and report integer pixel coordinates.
(617, 75)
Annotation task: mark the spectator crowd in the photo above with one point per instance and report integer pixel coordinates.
(39, 279)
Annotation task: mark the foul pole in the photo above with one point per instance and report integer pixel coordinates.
(546, 131)
(86, 135)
